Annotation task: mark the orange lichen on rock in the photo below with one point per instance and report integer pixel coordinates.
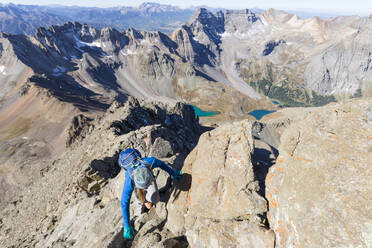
(272, 201)
(200, 180)
(274, 204)
(270, 217)
(283, 232)
(279, 169)
(270, 176)
(302, 159)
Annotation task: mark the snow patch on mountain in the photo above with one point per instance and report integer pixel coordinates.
(81, 44)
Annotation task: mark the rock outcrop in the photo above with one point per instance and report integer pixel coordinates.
(319, 190)
(222, 208)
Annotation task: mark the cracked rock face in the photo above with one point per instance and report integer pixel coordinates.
(222, 206)
(319, 190)
(223, 177)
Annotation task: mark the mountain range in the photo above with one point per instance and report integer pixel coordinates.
(300, 62)
(73, 95)
(149, 16)
(25, 19)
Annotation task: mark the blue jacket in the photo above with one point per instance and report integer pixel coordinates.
(129, 185)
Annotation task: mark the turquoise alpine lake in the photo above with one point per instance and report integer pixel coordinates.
(276, 102)
(259, 113)
(202, 113)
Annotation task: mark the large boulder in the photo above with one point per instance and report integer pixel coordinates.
(223, 185)
(319, 190)
(222, 208)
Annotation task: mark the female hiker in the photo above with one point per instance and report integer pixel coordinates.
(139, 175)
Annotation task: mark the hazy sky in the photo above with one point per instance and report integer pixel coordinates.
(331, 6)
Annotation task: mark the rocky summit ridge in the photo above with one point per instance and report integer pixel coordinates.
(244, 183)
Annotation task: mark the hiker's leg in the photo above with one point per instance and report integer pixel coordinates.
(152, 194)
(137, 204)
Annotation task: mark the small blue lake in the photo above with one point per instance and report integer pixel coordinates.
(202, 113)
(259, 113)
(276, 102)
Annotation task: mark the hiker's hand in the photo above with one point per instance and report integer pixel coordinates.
(177, 175)
(148, 205)
(128, 232)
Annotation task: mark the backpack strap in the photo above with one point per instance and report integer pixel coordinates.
(146, 164)
(135, 164)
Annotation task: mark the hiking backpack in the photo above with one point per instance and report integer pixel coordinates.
(127, 157)
(130, 160)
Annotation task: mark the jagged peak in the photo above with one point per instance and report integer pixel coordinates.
(109, 30)
(177, 32)
(134, 33)
(68, 27)
(201, 15)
